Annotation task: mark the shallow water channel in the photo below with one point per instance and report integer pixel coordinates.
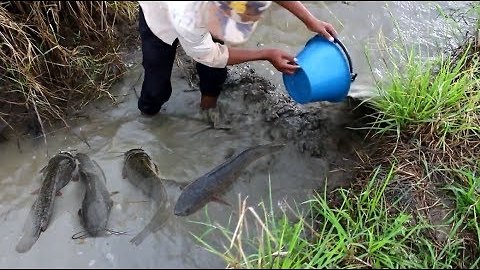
(175, 141)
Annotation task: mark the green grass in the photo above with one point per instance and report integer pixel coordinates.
(435, 97)
(278, 243)
(467, 197)
(440, 95)
(362, 231)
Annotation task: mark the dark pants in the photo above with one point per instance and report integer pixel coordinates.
(158, 58)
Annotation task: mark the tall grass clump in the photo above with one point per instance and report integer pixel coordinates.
(57, 56)
(434, 100)
(439, 98)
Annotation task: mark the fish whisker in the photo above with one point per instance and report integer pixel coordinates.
(78, 235)
(113, 232)
(84, 234)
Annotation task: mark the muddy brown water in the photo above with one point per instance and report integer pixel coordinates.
(257, 110)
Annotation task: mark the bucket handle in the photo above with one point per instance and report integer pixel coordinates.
(353, 76)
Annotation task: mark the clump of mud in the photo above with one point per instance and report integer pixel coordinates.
(323, 130)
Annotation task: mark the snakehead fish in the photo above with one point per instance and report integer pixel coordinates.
(142, 172)
(96, 204)
(207, 187)
(56, 175)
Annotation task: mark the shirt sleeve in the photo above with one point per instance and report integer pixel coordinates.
(194, 37)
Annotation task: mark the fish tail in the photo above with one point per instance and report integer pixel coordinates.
(155, 224)
(27, 241)
(138, 239)
(31, 231)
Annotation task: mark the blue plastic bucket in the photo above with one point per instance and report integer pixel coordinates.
(325, 72)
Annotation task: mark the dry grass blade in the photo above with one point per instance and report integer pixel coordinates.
(58, 55)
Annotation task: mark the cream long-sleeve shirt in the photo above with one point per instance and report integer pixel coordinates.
(186, 21)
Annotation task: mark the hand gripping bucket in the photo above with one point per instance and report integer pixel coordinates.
(325, 72)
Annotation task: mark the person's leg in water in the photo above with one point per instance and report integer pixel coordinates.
(211, 83)
(158, 58)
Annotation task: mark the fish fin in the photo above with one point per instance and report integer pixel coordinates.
(100, 169)
(42, 170)
(220, 200)
(201, 130)
(35, 192)
(124, 172)
(244, 180)
(76, 175)
(222, 127)
(156, 168)
(58, 193)
(138, 239)
(114, 193)
(174, 183)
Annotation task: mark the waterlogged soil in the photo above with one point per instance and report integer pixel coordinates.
(320, 146)
(184, 146)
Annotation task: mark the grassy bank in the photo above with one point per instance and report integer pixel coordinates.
(416, 197)
(362, 229)
(55, 56)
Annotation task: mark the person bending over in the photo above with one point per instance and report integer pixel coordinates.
(209, 32)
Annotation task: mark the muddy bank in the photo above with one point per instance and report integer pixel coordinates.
(322, 130)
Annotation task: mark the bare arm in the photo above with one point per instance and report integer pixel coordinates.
(299, 10)
(281, 60)
(311, 22)
(239, 55)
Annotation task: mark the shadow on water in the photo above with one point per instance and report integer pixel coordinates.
(318, 146)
